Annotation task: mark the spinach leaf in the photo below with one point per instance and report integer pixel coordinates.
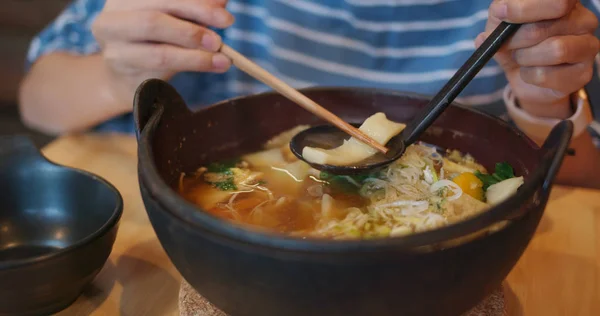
(222, 167)
(227, 185)
(487, 179)
(345, 184)
(503, 171)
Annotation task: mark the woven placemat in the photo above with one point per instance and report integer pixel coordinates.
(193, 304)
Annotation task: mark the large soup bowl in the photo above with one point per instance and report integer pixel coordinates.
(248, 272)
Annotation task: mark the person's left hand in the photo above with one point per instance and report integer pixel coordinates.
(551, 56)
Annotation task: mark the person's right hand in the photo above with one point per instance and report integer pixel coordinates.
(142, 39)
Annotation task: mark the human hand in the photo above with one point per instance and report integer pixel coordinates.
(142, 39)
(550, 57)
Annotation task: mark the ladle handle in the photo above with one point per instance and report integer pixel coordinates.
(459, 81)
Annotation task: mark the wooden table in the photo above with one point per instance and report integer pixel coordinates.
(559, 274)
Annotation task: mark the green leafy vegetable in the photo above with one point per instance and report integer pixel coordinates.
(487, 179)
(222, 167)
(442, 192)
(438, 206)
(224, 173)
(227, 185)
(358, 178)
(503, 171)
(346, 184)
(325, 176)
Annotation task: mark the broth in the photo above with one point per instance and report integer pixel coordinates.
(273, 190)
(293, 206)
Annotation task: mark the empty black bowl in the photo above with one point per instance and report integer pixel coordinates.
(57, 229)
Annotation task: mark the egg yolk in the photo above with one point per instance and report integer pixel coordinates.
(470, 184)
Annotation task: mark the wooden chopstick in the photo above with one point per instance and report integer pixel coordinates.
(264, 76)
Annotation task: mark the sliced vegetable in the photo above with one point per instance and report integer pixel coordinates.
(470, 184)
(326, 205)
(443, 186)
(500, 191)
(285, 137)
(465, 160)
(297, 170)
(430, 175)
(265, 158)
(452, 167)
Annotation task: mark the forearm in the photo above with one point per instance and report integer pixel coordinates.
(64, 93)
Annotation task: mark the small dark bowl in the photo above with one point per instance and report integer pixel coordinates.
(247, 272)
(57, 229)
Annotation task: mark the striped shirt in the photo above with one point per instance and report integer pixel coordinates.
(407, 45)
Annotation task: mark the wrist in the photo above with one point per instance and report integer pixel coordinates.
(538, 127)
(117, 94)
(561, 109)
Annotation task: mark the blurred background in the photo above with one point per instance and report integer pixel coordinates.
(20, 20)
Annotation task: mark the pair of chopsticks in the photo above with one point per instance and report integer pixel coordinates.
(264, 76)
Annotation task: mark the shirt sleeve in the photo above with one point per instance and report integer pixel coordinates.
(70, 32)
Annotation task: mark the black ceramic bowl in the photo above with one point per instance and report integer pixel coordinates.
(245, 272)
(57, 229)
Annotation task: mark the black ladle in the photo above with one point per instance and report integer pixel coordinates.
(328, 136)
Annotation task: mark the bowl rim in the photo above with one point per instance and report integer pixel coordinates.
(171, 202)
(114, 218)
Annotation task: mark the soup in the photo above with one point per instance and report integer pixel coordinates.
(271, 189)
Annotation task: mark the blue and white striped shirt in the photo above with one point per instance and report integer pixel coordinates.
(409, 45)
